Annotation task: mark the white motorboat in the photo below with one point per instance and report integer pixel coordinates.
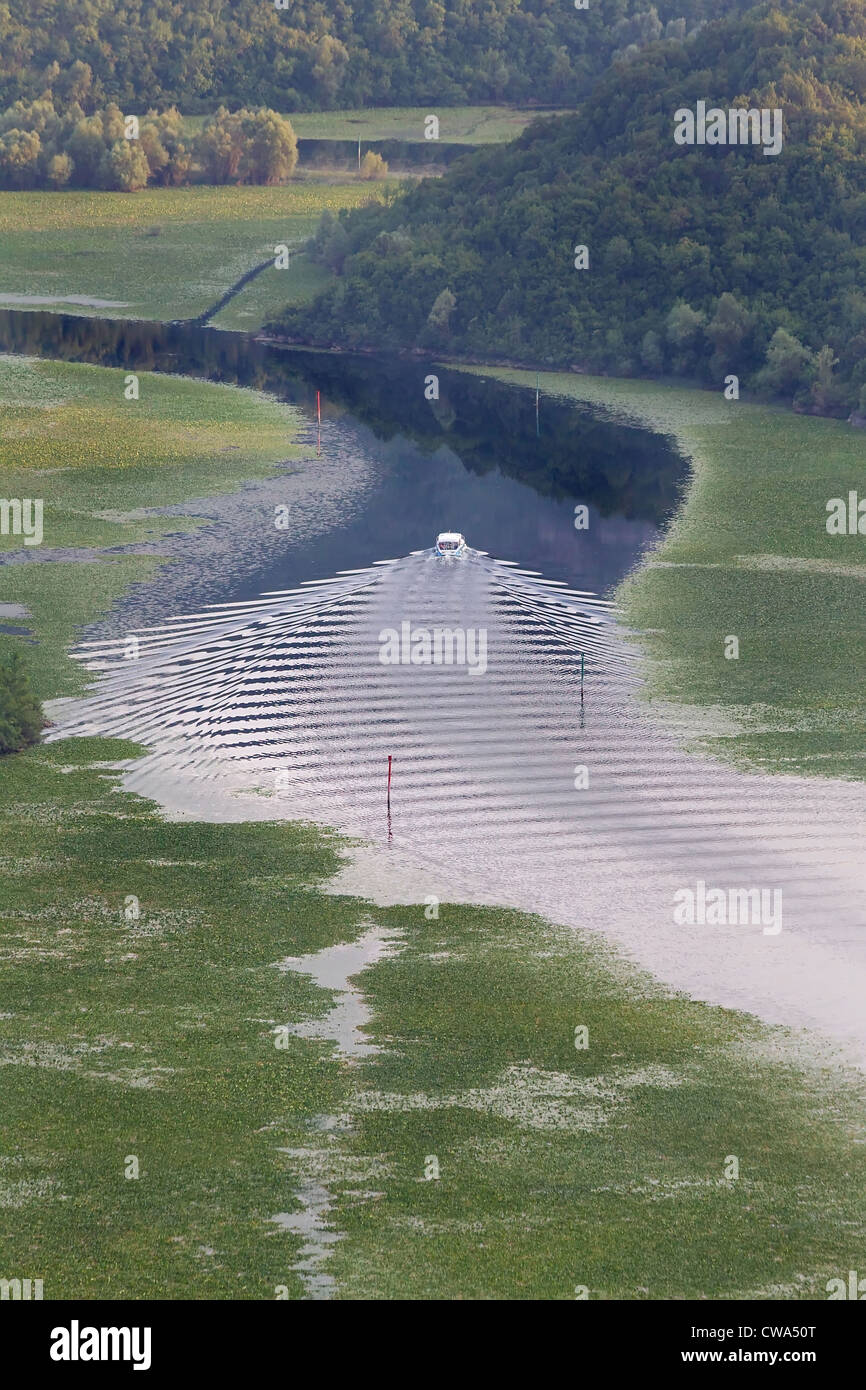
(450, 543)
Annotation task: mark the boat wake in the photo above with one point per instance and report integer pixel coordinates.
(532, 777)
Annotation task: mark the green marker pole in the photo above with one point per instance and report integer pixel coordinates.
(537, 430)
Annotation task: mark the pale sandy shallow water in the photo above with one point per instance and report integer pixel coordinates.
(47, 300)
(280, 708)
(333, 969)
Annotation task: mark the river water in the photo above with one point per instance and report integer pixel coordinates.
(535, 778)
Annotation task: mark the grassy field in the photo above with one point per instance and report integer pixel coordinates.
(161, 1103)
(149, 1038)
(253, 305)
(460, 125)
(99, 461)
(152, 1039)
(167, 253)
(749, 556)
(604, 1169)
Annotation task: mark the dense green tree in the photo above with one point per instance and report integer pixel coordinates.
(124, 167)
(825, 392)
(168, 152)
(247, 147)
(58, 170)
(788, 366)
(19, 158)
(331, 242)
(373, 166)
(652, 353)
(683, 326)
(85, 146)
(219, 147)
(270, 148)
(728, 331)
(21, 718)
(443, 307)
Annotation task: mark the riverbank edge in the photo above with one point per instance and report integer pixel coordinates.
(490, 364)
(723, 557)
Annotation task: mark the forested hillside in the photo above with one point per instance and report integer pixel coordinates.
(323, 54)
(702, 260)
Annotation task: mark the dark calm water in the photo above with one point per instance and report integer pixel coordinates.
(395, 467)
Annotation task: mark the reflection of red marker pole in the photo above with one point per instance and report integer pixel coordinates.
(319, 424)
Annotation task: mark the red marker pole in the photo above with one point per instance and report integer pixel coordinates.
(389, 781)
(319, 425)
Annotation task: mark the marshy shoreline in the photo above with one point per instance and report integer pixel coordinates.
(165, 1046)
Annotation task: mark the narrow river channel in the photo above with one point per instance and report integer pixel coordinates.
(535, 777)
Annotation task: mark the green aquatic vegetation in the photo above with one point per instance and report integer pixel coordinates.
(101, 463)
(544, 1122)
(748, 555)
(60, 599)
(158, 1111)
(147, 1034)
(71, 433)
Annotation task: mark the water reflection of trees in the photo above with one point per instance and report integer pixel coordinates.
(488, 425)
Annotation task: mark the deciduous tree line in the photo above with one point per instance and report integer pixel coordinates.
(46, 144)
